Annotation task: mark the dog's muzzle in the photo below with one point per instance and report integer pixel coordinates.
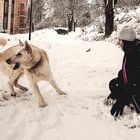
(17, 65)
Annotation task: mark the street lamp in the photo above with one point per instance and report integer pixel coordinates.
(30, 19)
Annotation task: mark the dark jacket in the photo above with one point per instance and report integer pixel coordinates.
(132, 67)
(125, 89)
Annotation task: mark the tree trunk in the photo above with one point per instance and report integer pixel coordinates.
(115, 2)
(109, 13)
(71, 19)
(75, 22)
(70, 22)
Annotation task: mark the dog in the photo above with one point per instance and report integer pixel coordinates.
(35, 63)
(13, 75)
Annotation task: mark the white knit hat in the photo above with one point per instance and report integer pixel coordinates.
(127, 33)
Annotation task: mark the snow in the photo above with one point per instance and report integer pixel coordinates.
(84, 76)
(94, 31)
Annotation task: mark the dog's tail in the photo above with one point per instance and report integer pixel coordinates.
(3, 42)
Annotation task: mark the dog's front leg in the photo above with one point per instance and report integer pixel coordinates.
(14, 82)
(11, 83)
(36, 90)
(11, 88)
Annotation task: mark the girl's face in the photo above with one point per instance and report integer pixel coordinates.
(120, 43)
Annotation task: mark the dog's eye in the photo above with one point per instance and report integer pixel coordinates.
(19, 54)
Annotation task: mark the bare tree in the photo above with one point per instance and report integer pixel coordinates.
(69, 12)
(38, 10)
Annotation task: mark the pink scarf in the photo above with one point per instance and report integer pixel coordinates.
(124, 71)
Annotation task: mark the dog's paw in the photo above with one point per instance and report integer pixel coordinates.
(62, 93)
(42, 104)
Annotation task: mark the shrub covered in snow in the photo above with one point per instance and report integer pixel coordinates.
(95, 31)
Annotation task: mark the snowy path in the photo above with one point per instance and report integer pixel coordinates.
(80, 115)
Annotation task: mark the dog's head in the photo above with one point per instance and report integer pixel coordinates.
(22, 57)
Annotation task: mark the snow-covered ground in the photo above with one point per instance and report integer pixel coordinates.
(84, 76)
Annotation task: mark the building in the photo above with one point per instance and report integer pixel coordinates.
(14, 16)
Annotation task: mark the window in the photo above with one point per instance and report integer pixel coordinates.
(5, 14)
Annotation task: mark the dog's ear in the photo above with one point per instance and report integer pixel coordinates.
(28, 47)
(20, 43)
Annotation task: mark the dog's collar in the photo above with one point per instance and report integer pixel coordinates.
(35, 65)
